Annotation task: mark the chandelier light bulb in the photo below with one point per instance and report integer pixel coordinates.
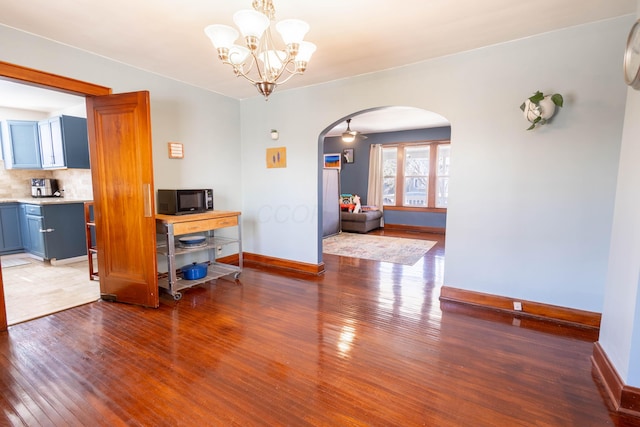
(292, 31)
(238, 54)
(222, 36)
(273, 59)
(260, 61)
(251, 23)
(305, 51)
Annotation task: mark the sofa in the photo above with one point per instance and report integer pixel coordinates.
(362, 222)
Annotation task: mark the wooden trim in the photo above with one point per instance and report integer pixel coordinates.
(3, 311)
(433, 175)
(229, 259)
(46, 80)
(572, 316)
(414, 209)
(612, 382)
(415, 228)
(625, 399)
(282, 264)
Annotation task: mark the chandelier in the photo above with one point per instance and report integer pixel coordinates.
(259, 61)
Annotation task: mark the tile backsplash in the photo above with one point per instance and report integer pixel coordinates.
(16, 183)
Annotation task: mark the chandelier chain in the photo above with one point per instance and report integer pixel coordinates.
(266, 7)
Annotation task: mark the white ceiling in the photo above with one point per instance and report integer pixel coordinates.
(23, 97)
(353, 37)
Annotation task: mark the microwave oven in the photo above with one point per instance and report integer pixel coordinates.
(180, 202)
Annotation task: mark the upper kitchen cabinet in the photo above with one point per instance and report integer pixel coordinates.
(56, 143)
(21, 145)
(64, 143)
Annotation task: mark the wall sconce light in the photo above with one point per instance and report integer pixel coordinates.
(274, 134)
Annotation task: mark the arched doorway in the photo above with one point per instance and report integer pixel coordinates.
(404, 127)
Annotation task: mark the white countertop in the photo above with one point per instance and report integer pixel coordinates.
(43, 200)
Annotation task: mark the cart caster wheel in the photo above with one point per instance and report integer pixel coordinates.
(177, 296)
(236, 275)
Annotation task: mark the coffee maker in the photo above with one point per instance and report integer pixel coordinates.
(44, 187)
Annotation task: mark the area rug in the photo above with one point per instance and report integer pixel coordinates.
(378, 248)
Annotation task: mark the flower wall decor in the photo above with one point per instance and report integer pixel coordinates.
(539, 108)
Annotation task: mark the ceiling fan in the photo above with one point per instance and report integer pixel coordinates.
(351, 135)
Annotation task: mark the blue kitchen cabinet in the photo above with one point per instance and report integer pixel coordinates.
(24, 232)
(21, 145)
(10, 236)
(64, 142)
(51, 147)
(55, 231)
(56, 143)
(33, 223)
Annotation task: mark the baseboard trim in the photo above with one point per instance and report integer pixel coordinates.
(64, 261)
(229, 259)
(414, 228)
(625, 399)
(571, 316)
(282, 264)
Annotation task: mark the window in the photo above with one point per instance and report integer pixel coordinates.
(389, 173)
(416, 175)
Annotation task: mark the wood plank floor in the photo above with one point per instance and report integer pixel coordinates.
(366, 344)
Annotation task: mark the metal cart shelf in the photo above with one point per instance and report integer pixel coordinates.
(172, 226)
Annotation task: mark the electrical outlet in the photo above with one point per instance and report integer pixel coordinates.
(517, 306)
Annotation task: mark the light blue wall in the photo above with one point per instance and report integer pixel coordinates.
(530, 211)
(206, 123)
(620, 328)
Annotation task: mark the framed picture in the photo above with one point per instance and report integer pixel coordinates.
(347, 153)
(277, 157)
(332, 161)
(176, 150)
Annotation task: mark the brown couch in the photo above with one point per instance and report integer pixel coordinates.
(360, 222)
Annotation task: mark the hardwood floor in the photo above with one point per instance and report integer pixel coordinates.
(366, 344)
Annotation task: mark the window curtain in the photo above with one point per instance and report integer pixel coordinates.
(374, 194)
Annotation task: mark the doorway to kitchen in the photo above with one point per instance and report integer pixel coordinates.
(119, 129)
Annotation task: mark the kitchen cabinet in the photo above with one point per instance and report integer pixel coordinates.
(10, 236)
(24, 232)
(21, 145)
(64, 143)
(56, 143)
(55, 231)
(171, 226)
(35, 236)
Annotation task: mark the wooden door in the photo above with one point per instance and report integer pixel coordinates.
(122, 173)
